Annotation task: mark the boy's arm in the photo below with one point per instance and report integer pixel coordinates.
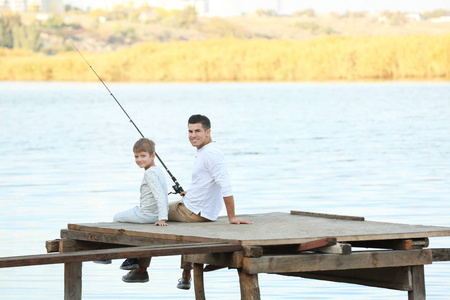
(229, 204)
(159, 195)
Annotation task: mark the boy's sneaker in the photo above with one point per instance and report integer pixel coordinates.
(102, 262)
(184, 284)
(133, 277)
(130, 264)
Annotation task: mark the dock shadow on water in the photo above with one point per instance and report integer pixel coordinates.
(377, 150)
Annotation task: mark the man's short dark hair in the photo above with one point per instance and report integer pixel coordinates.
(194, 119)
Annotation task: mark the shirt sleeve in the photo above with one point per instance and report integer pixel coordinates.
(218, 168)
(158, 192)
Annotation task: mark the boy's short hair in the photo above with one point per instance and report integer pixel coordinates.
(194, 119)
(144, 145)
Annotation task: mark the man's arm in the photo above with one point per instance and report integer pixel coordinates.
(229, 204)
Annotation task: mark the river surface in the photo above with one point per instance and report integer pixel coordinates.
(377, 150)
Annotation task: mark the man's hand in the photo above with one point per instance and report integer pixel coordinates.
(239, 221)
(183, 193)
(161, 223)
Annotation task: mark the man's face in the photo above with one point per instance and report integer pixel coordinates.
(198, 136)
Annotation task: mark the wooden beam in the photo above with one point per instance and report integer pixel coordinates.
(68, 245)
(327, 216)
(210, 268)
(129, 252)
(326, 262)
(395, 244)
(230, 260)
(384, 244)
(52, 246)
(252, 251)
(397, 278)
(339, 248)
(441, 254)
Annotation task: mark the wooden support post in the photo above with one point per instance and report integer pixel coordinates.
(418, 283)
(198, 282)
(249, 286)
(72, 274)
(72, 281)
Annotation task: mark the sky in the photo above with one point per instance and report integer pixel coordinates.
(229, 7)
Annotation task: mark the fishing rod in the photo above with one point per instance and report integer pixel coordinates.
(177, 187)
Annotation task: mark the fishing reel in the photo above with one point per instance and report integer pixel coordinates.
(177, 188)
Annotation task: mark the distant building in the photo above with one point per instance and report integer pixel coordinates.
(414, 17)
(441, 19)
(47, 6)
(16, 5)
(382, 19)
(200, 5)
(3, 4)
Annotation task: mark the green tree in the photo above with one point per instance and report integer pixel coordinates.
(186, 16)
(307, 13)
(53, 22)
(26, 37)
(435, 14)
(6, 39)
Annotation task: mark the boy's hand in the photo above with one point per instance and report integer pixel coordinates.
(161, 223)
(183, 193)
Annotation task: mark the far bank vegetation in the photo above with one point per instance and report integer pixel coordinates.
(231, 59)
(177, 46)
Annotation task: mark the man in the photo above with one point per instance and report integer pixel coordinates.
(209, 187)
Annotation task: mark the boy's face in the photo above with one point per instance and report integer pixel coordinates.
(198, 136)
(144, 159)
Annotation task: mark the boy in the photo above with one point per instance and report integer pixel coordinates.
(153, 205)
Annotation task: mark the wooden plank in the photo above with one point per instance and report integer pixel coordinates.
(72, 281)
(316, 244)
(418, 284)
(397, 278)
(129, 252)
(441, 254)
(327, 216)
(326, 262)
(122, 234)
(110, 238)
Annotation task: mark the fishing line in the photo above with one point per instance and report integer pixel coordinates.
(177, 187)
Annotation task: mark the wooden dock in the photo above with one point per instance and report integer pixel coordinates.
(319, 246)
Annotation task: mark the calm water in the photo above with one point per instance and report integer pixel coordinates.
(378, 150)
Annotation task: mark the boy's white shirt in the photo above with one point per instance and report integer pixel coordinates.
(154, 201)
